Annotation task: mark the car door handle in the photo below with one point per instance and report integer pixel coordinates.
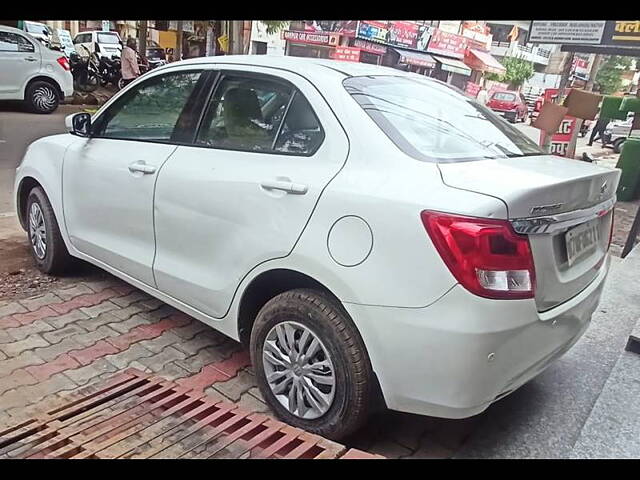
(289, 187)
(142, 167)
(31, 59)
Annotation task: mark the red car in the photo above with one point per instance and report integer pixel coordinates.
(509, 104)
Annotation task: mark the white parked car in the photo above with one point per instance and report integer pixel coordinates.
(369, 233)
(31, 72)
(104, 44)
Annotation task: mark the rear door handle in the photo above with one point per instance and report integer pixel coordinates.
(288, 187)
(142, 167)
(31, 59)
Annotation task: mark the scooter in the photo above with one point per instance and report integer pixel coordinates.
(85, 78)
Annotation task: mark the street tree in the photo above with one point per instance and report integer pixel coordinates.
(518, 71)
(274, 26)
(609, 77)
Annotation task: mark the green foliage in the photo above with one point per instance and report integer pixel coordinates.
(274, 26)
(518, 71)
(609, 76)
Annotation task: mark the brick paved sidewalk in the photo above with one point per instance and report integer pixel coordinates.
(70, 337)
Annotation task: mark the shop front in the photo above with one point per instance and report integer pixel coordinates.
(481, 63)
(310, 44)
(369, 52)
(448, 50)
(411, 61)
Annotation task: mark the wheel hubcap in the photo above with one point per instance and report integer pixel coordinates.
(37, 231)
(44, 98)
(299, 370)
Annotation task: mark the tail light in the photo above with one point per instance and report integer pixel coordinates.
(64, 63)
(485, 255)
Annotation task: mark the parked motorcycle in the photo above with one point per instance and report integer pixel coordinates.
(108, 69)
(85, 76)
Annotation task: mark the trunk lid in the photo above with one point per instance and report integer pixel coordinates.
(568, 193)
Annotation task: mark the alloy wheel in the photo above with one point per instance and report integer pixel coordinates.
(44, 98)
(299, 370)
(37, 231)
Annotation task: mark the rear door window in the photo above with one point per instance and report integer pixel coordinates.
(504, 97)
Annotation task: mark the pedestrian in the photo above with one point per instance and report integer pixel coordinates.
(129, 60)
(483, 96)
(598, 130)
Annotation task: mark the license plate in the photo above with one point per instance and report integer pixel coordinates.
(581, 240)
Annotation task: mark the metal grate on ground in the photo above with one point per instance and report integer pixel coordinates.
(136, 415)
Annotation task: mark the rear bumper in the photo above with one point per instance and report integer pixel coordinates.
(455, 357)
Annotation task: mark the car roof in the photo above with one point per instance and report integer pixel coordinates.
(343, 69)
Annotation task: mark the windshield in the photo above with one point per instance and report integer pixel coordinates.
(504, 97)
(431, 121)
(109, 38)
(36, 28)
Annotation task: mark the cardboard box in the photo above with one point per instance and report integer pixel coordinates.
(550, 117)
(582, 104)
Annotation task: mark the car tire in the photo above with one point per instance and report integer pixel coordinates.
(339, 349)
(50, 253)
(617, 145)
(42, 97)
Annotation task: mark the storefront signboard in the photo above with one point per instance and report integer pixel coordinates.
(566, 31)
(369, 46)
(449, 26)
(472, 89)
(375, 30)
(346, 54)
(314, 38)
(447, 44)
(403, 34)
(580, 68)
(346, 28)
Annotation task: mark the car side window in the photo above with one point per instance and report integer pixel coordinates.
(149, 111)
(244, 113)
(301, 132)
(12, 42)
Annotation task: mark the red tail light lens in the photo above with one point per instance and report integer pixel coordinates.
(485, 255)
(64, 63)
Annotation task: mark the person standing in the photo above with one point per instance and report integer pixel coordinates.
(598, 130)
(129, 60)
(483, 96)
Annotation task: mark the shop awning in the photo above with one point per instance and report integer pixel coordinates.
(415, 58)
(484, 62)
(451, 65)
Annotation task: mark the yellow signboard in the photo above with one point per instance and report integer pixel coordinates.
(223, 41)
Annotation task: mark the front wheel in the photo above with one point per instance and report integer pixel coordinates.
(311, 364)
(617, 145)
(47, 246)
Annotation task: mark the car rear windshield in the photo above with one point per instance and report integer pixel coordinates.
(108, 38)
(504, 97)
(431, 121)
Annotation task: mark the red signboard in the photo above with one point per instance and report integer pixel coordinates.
(472, 89)
(403, 34)
(448, 44)
(561, 140)
(346, 54)
(313, 38)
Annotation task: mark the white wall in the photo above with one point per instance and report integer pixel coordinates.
(275, 43)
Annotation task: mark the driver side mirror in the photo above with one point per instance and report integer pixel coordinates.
(79, 124)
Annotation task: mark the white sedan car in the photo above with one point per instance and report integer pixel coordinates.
(31, 72)
(374, 236)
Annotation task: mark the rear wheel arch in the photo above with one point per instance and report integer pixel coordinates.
(44, 78)
(26, 185)
(267, 285)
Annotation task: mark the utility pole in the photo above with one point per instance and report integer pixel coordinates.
(178, 50)
(595, 66)
(142, 39)
(564, 79)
